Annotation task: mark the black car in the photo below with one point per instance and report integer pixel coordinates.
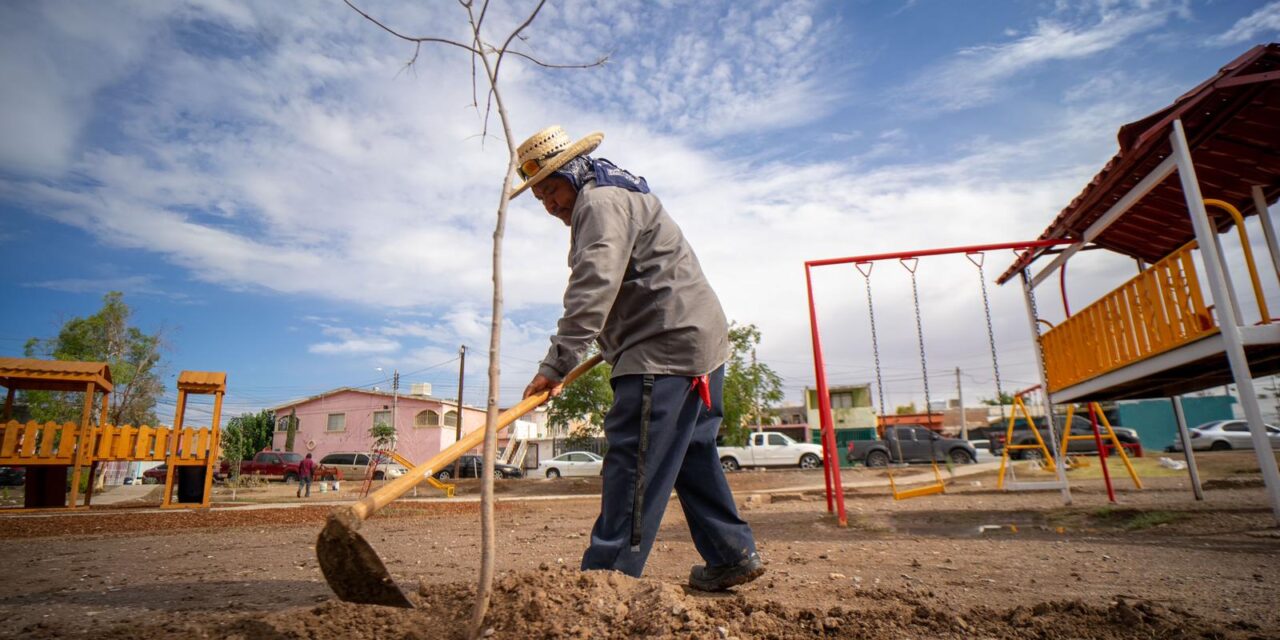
(470, 466)
(13, 476)
(1080, 426)
(916, 444)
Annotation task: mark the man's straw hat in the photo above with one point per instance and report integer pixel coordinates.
(548, 150)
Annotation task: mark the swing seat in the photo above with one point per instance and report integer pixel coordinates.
(1076, 462)
(927, 490)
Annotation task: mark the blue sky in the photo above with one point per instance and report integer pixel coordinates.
(276, 192)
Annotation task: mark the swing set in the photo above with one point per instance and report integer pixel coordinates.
(909, 261)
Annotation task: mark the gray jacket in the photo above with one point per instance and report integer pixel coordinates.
(638, 289)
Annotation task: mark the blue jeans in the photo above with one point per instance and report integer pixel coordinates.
(678, 451)
(304, 481)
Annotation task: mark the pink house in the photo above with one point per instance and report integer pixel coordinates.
(340, 420)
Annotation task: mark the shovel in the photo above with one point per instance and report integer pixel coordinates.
(350, 565)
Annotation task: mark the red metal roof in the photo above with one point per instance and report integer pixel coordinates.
(1232, 122)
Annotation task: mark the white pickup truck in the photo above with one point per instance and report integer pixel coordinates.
(770, 449)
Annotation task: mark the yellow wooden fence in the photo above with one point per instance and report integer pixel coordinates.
(1160, 309)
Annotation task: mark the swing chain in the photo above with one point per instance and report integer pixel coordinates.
(991, 334)
(875, 350)
(1035, 313)
(875, 341)
(1044, 372)
(924, 366)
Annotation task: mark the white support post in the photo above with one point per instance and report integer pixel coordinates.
(1229, 323)
(1268, 227)
(1185, 437)
(1060, 460)
(1226, 274)
(1139, 191)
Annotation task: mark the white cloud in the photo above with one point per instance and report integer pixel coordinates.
(981, 74)
(1261, 24)
(703, 70)
(350, 343)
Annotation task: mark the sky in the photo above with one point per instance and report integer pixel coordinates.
(284, 197)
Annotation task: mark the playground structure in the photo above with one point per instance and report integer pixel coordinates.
(865, 265)
(49, 450)
(1154, 336)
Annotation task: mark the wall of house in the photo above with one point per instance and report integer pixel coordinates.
(414, 442)
(859, 413)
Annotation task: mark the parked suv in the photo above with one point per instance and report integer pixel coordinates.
(1080, 426)
(917, 444)
(354, 464)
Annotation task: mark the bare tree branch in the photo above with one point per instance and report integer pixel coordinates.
(549, 65)
(502, 51)
(402, 36)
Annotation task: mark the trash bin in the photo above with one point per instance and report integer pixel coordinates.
(46, 486)
(190, 485)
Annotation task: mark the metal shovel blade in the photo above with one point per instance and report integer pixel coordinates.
(353, 569)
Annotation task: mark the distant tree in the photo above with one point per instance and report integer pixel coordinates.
(750, 388)
(383, 435)
(583, 405)
(253, 430)
(134, 358)
(1005, 398)
(906, 409)
(291, 430)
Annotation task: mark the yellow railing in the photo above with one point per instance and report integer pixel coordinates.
(1160, 309)
(37, 443)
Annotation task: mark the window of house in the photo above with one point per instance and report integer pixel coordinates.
(282, 424)
(426, 418)
(383, 417)
(842, 401)
(451, 418)
(337, 422)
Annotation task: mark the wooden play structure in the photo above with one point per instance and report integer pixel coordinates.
(1156, 335)
(48, 451)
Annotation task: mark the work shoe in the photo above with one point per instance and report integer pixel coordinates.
(708, 578)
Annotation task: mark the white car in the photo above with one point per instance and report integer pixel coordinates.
(573, 463)
(354, 465)
(771, 449)
(1221, 435)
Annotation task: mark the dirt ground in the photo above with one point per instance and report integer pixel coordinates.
(973, 563)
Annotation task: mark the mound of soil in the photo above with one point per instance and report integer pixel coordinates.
(564, 603)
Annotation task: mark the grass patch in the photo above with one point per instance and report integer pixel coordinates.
(1134, 520)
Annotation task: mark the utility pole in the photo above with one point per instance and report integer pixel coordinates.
(457, 427)
(395, 404)
(964, 425)
(755, 391)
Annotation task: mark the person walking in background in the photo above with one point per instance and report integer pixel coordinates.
(306, 469)
(637, 289)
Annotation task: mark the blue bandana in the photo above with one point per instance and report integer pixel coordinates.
(606, 174)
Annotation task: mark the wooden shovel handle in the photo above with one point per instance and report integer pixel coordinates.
(369, 505)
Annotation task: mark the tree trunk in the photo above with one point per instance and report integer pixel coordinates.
(484, 588)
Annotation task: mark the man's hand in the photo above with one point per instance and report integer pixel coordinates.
(542, 383)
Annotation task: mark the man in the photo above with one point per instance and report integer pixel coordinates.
(637, 289)
(306, 469)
